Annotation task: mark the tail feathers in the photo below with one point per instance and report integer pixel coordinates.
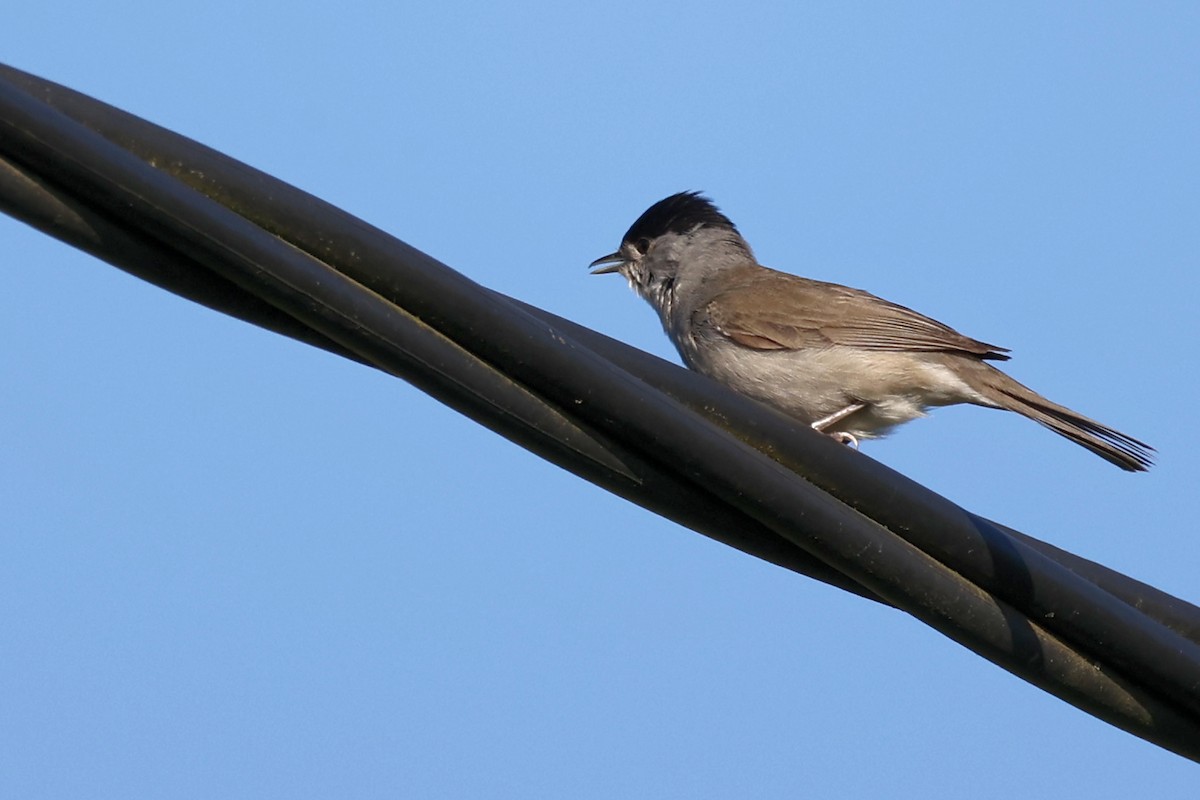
(1112, 445)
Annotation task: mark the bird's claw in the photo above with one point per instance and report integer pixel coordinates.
(848, 439)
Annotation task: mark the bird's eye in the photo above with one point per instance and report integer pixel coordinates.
(641, 245)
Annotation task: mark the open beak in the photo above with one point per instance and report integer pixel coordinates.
(614, 262)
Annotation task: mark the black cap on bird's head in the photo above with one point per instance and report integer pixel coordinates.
(680, 213)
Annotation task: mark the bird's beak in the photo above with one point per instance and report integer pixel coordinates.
(614, 261)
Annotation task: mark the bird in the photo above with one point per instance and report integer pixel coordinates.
(845, 362)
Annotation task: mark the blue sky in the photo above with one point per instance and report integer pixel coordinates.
(234, 566)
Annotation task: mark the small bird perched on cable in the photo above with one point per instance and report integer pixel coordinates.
(841, 360)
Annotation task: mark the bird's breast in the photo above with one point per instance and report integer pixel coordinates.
(814, 383)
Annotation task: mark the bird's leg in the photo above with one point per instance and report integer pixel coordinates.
(838, 416)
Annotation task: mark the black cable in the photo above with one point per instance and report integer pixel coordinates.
(564, 394)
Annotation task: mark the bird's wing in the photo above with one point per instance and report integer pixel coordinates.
(778, 311)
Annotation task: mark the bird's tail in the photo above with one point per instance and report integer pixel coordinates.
(1124, 451)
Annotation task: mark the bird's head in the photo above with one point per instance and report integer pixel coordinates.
(684, 231)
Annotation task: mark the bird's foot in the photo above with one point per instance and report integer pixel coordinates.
(848, 439)
(836, 417)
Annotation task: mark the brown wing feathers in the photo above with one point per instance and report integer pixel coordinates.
(816, 314)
